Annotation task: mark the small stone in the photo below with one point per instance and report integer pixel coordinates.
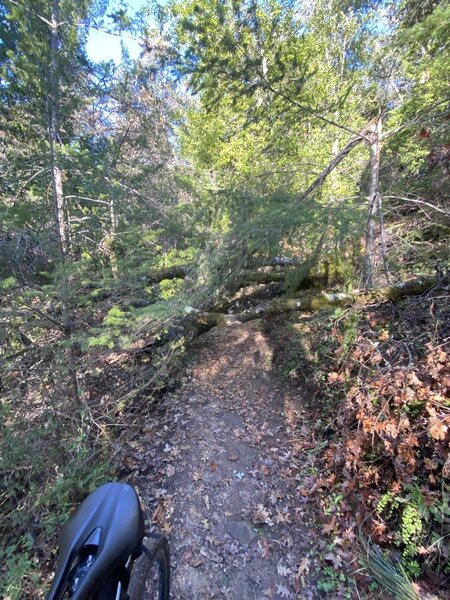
(233, 457)
(241, 531)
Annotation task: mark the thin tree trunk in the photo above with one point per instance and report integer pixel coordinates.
(54, 140)
(311, 303)
(374, 192)
(58, 197)
(383, 240)
(201, 322)
(112, 239)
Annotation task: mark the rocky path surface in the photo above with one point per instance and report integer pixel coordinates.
(223, 469)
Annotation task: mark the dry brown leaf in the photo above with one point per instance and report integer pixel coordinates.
(303, 566)
(158, 514)
(282, 517)
(265, 548)
(261, 515)
(329, 527)
(283, 570)
(170, 471)
(283, 592)
(333, 558)
(233, 457)
(446, 468)
(197, 476)
(437, 428)
(194, 560)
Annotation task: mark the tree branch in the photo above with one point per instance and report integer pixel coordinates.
(355, 140)
(416, 201)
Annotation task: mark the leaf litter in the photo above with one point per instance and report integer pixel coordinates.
(222, 475)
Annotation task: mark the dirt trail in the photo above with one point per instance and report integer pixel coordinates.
(221, 467)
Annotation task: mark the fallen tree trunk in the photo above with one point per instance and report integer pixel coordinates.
(176, 272)
(311, 303)
(180, 272)
(265, 277)
(273, 261)
(268, 285)
(199, 322)
(247, 277)
(259, 277)
(256, 294)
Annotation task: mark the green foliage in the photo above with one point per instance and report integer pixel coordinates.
(170, 288)
(7, 283)
(388, 575)
(417, 519)
(412, 517)
(387, 504)
(46, 471)
(329, 580)
(114, 330)
(153, 177)
(411, 529)
(20, 568)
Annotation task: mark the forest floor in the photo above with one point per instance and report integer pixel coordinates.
(225, 466)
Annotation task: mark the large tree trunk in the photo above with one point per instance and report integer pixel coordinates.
(313, 302)
(200, 322)
(176, 272)
(246, 278)
(374, 201)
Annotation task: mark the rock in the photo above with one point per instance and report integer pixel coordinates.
(233, 420)
(246, 455)
(194, 581)
(241, 531)
(210, 555)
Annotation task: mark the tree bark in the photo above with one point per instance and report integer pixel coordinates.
(258, 277)
(200, 322)
(246, 278)
(383, 240)
(112, 239)
(272, 261)
(58, 198)
(310, 303)
(374, 201)
(54, 139)
(176, 272)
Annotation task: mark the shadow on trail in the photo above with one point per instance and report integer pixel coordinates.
(225, 476)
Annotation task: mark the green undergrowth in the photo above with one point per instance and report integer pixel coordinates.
(377, 383)
(52, 453)
(48, 468)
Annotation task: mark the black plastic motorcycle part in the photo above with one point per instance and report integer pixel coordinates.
(106, 529)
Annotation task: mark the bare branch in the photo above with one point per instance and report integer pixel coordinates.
(88, 199)
(355, 140)
(60, 326)
(417, 201)
(43, 19)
